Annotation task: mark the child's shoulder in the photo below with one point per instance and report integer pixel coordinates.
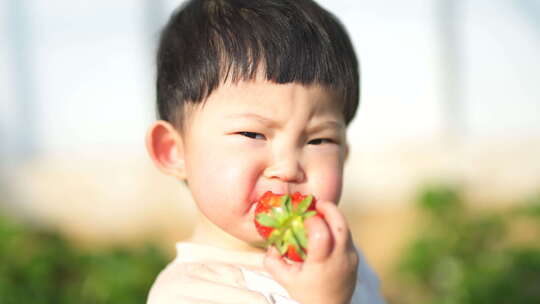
(165, 286)
(187, 282)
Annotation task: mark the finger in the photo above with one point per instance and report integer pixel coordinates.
(276, 266)
(320, 240)
(336, 222)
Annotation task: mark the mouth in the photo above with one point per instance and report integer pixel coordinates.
(282, 191)
(252, 207)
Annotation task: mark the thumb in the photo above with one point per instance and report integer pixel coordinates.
(277, 267)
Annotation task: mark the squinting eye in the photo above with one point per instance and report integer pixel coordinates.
(253, 135)
(319, 141)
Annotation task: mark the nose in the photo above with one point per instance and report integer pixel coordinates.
(286, 169)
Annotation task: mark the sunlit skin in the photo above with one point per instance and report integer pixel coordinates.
(251, 137)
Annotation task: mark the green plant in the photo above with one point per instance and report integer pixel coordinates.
(468, 257)
(43, 267)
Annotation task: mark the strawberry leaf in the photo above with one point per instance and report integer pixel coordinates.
(274, 236)
(300, 233)
(302, 253)
(276, 212)
(266, 220)
(288, 204)
(297, 247)
(283, 202)
(282, 247)
(305, 203)
(309, 214)
(291, 239)
(279, 214)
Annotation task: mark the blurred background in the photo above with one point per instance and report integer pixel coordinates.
(442, 186)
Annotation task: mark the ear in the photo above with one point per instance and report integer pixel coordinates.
(166, 148)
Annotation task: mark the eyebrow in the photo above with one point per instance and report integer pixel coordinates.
(330, 124)
(264, 120)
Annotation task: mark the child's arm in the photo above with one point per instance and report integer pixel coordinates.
(214, 283)
(328, 275)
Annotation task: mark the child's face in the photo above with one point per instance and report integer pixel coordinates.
(257, 136)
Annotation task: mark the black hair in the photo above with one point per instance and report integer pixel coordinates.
(207, 42)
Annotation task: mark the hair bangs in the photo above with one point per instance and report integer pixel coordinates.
(240, 40)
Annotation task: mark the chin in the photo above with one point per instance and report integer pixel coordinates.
(251, 238)
(260, 245)
(256, 242)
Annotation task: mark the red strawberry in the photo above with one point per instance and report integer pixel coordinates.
(280, 220)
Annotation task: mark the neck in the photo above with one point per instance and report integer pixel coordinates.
(208, 233)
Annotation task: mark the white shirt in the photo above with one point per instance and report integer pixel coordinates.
(367, 284)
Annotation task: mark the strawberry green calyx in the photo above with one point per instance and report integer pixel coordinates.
(286, 223)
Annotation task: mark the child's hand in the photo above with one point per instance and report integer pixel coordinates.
(213, 283)
(328, 275)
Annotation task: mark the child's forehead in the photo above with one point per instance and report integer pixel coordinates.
(268, 103)
(259, 90)
(263, 95)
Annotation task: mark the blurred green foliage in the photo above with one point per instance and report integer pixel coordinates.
(39, 266)
(459, 256)
(463, 256)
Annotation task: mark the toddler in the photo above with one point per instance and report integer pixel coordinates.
(256, 96)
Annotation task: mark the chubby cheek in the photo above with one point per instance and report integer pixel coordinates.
(221, 189)
(328, 187)
(326, 180)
